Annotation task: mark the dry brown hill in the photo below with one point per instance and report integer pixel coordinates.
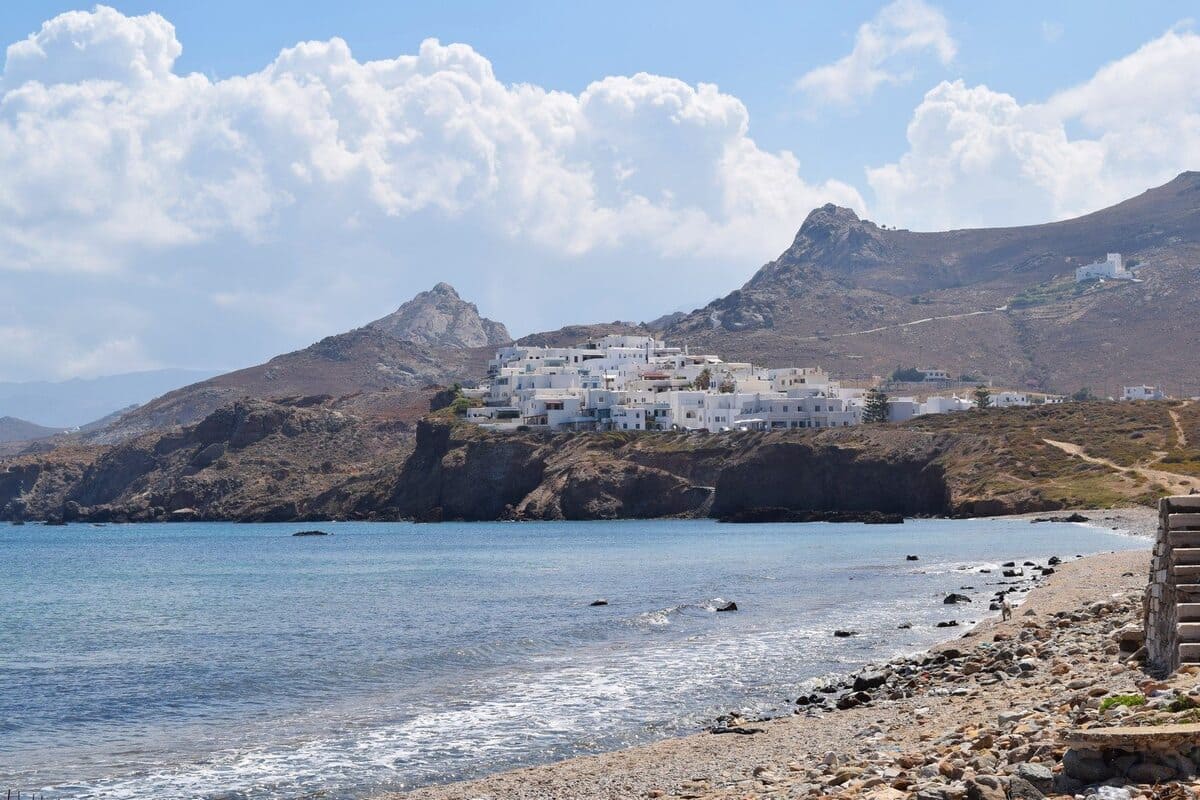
(861, 300)
(385, 369)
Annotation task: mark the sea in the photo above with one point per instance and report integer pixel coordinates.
(237, 661)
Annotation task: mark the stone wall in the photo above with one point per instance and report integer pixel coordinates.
(1171, 591)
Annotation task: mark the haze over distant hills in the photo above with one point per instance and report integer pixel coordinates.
(79, 401)
(13, 429)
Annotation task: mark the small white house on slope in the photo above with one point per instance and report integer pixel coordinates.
(1111, 268)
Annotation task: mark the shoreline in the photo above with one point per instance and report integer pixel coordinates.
(780, 757)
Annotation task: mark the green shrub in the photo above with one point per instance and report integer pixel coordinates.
(1122, 700)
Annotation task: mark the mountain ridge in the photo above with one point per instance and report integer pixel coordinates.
(862, 300)
(373, 370)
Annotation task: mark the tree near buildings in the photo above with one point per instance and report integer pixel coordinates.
(983, 396)
(875, 406)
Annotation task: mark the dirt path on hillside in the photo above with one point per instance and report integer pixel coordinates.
(1180, 437)
(1175, 483)
(901, 325)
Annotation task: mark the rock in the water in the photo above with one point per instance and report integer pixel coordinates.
(955, 597)
(311, 533)
(912, 558)
(844, 634)
(950, 624)
(598, 603)
(730, 606)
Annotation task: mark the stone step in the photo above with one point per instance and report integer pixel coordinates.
(1186, 591)
(1188, 612)
(1186, 571)
(1189, 653)
(1183, 520)
(1183, 503)
(1189, 632)
(1185, 555)
(1185, 538)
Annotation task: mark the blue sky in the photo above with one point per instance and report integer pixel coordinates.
(162, 220)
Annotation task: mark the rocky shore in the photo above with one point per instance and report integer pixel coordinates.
(983, 717)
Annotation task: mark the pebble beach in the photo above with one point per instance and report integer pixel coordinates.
(984, 716)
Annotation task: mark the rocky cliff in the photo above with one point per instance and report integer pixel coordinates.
(460, 472)
(307, 459)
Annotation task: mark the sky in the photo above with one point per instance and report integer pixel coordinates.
(206, 185)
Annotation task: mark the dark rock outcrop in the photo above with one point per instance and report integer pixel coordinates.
(837, 472)
(459, 472)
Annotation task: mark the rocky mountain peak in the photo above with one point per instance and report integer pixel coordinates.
(836, 238)
(439, 317)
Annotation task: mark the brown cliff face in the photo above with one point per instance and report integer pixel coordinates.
(459, 472)
(897, 473)
(455, 473)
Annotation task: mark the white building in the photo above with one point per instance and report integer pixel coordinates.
(1112, 269)
(1006, 399)
(637, 383)
(935, 374)
(1142, 393)
(940, 404)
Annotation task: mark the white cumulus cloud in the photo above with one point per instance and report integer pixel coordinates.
(338, 187)
(884, 52)
(977, 156)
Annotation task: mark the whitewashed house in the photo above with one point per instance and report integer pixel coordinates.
(1007, 399)
(1142, 393)
(1111, 268)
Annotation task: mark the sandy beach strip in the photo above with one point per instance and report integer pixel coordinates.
(798, 756)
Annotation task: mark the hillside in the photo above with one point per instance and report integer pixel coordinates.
(307, 460)
(861, 300)
(384, 369)
(19, 430)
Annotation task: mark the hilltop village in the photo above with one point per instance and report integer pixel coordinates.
(638, 383)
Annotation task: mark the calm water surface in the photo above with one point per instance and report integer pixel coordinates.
(236, 661)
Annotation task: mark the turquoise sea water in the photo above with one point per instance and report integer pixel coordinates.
(237, 661)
